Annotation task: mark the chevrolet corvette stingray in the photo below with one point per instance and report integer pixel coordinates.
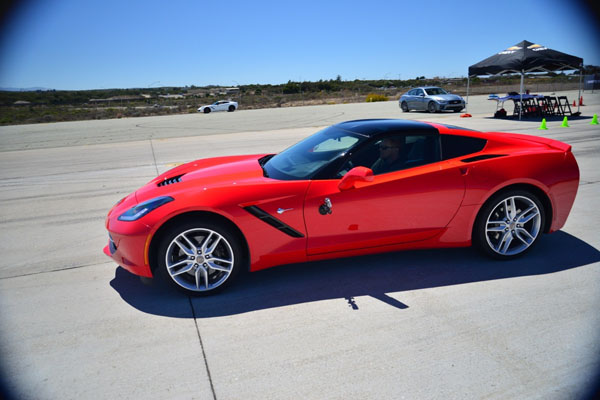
(221, 105)
(355, 188)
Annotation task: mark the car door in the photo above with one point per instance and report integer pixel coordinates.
(410, 99)
(420, 103)
(402, 206)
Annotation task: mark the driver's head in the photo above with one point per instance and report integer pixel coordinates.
(390, 149)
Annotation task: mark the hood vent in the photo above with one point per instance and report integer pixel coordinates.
(170, 181)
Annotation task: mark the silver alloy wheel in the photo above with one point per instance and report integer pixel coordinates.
(513, 225)
(431, 107)
(404, 106)
(199, 259)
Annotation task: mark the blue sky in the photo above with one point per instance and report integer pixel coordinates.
(93, 44)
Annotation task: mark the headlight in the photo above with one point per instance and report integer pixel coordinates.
(138, 211)
(442, 101)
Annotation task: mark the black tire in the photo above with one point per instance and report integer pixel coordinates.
(431, 107)
(404, 107)
(196, 276)
(231, 108)
(506, 235)
(207, 110)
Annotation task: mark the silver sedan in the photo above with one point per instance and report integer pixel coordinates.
(432, 99)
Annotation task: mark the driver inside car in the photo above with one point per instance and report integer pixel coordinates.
(391, 156)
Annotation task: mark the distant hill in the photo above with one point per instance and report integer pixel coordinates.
(31, 89)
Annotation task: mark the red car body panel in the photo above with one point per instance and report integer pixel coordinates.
(433, 205)
(385, 211)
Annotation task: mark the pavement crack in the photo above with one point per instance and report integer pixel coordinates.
(582, 183)
(50, 271)
(154, 157)
(212, 388)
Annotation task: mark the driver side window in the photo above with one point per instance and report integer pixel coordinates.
(394, 152)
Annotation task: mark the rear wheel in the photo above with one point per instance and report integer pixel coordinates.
(431, 107)
(231, 108)
(404, 106)
(199, 257)
(509, 224)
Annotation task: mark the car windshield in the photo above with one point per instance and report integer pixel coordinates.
(434, 91)
(304, 159)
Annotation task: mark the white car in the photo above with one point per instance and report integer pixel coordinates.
(221, 105)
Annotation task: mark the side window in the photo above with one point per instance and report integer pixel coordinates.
(457, 146)
(412, 92)
(394, 153)
(419, 92)
(421, 150)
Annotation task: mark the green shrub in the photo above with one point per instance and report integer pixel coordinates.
(372, 97)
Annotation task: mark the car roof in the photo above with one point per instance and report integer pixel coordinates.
(376, 127)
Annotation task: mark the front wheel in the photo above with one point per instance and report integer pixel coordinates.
(404, 106)
(199, 257)
(431, 107)
(509, 224)
(207, 110)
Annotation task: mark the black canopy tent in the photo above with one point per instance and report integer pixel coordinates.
(525, 57)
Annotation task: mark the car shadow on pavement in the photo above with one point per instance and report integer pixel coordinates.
(548, 118)
(349, 278)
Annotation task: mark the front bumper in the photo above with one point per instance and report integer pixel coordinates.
(128, 244)
(451, 106)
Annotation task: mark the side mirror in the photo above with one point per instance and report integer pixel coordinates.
(356, 174)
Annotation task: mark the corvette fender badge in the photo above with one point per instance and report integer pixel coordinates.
(282, 210)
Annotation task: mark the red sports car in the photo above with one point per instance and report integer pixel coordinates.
(355, 188)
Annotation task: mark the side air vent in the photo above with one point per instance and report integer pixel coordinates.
(274, 222)
(482, 157)
(170, 181)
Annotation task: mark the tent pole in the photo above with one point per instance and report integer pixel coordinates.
(521, 93)
(579, 98)
(468, 84)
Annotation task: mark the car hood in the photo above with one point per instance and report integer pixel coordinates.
(446, 97)
(204, 174)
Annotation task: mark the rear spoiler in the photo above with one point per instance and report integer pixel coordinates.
(555, 144)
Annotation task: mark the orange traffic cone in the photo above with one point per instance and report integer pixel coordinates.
(466, 115)
(574, 104)
(581, 101)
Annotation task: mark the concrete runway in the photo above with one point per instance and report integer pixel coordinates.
(434, 324)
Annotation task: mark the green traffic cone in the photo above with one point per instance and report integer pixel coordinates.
(543, 125)
(594, 120)
(565, 123)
